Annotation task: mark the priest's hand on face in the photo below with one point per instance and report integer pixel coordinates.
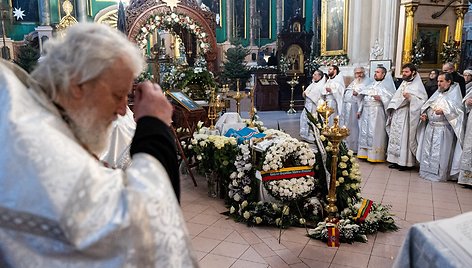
(149, 100)
(377, 98)
(406, 95)
(423, 117)
(438, 111)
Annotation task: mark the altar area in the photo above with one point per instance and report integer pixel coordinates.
(219, 241)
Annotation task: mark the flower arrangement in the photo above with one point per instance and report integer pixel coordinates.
(144, 76)
(284, 65)
(196, 82)
(417, 53)
(292, 189)
(451, 51)
(339, 60)
(167, 21)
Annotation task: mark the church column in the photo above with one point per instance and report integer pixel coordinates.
(409, 28)
(81, 10)
(280, 20)
(229, 19)
(359, 36)
(252, 15)
(389, 22)
(45, 15)
(460, 12)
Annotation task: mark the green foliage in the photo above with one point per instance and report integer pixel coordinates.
(235, 67)
(451, 51)
(27, 57)
(417, 53)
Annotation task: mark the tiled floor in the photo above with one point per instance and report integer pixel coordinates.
(220, 242)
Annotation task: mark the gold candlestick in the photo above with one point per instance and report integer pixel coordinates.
(252, 112)
(214, 108)
(335, 135)
(238, 97)
(325, 111)
(292, 84)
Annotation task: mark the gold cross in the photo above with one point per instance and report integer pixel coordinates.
(171, 3)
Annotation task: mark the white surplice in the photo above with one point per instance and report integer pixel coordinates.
(117, 153)
(348, 117)
(403, 118)
(372, 134)
(440, 137)
(465, 174)
(60, 207)
(312, 96)
(335, 97)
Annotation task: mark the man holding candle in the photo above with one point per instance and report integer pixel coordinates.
(403, 114)
(440, 132)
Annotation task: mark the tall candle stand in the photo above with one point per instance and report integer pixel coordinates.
(215, 106)
(252, 111)
(292, 84)
(238, 97)
(335, 135)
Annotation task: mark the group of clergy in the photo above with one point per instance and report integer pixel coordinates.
(402, 126)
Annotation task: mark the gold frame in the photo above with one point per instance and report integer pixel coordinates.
(324, 27)
(443, 37)
(184, 100)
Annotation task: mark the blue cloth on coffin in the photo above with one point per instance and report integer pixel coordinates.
(244, 134)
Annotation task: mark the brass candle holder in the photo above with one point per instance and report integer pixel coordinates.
(292, 83)
(325, 111)
(335, 135)
(252, 111)
(215, 106)
(238, 97)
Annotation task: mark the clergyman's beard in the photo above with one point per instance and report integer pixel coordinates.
(90, 131)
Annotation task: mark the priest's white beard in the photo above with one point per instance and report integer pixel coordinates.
(90, 130)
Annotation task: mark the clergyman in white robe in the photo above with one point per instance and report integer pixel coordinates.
(333, 93)
(350, 108)
(312, 96)
(60, 207)
(465, 174)
(440, 134)
(403, 117)
(374, 101)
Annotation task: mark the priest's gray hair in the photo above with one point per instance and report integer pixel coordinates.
(87, 50)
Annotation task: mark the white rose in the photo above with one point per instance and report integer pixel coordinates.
(232, 210)
(247, 189)
(199, 157)
(258, 220)
(236, 197)
(244, 204)
(246, 215)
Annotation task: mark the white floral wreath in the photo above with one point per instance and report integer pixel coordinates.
(168, 20)
(276, 155)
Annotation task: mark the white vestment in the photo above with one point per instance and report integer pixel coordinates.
(335, 97)
(312, 96)
(372, 134)
(117, 153)
(348, 117)
(60, 207)
(465, 174)
(403, 118)
(440, 137)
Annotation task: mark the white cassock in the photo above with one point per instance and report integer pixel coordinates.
(60, 207)
(117, 153)
(465, 174)
(312, 96)
(372, 134)
(348, 117)
(440, 137)
(403, 118)
(335, 97)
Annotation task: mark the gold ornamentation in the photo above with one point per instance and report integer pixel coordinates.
(292, 84)
(68, 20)
(171, 3)
(460, 12)
(409, 29)
(335, 135)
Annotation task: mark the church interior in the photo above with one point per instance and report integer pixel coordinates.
(249, 65)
